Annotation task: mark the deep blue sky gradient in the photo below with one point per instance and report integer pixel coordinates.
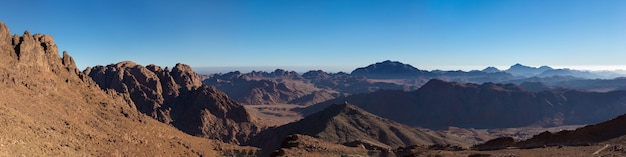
(331, 35)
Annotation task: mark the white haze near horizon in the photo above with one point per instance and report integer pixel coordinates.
(621, 69)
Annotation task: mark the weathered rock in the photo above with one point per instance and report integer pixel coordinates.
(178, 98)
(49, 109)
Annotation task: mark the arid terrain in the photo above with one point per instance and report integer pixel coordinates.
(51, 108)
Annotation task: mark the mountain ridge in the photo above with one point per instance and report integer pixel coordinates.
(345, 123)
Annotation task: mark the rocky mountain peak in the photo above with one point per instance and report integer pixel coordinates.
(5, 33)
(178, 98)
(185, 77)
(37, 54)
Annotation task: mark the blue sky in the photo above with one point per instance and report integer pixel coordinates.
(331, 35)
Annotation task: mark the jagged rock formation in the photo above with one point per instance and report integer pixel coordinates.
(346, 123)
(48, 108)
(439, 104)
(177, 97)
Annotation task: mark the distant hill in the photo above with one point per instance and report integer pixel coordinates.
(439, 104)
(526, 71)
(389, 69)
(491, 70)
(346, 123)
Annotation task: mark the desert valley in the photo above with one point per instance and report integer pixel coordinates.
(50, 107)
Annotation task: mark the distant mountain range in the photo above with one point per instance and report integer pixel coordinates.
(439, 104)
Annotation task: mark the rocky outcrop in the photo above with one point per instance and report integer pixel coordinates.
(48, 108)
(177, 97)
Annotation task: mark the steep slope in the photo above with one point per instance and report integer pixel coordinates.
(48, 108)
(346, 123)
(177, 97)
(439, 104)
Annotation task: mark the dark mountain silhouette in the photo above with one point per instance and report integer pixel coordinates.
(346, 123)
(538, 87)
(471, 76)
(491, 70)
(439, 104)
(526, 71)
(177, 97)
(389, 69)
(599, 85)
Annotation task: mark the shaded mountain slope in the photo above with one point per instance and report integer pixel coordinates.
(439, 104)
(177, 97)
(48, 108)
(345, 123)
(600, 132)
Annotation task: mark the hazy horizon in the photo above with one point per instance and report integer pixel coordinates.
(347, 69)
(428, 34)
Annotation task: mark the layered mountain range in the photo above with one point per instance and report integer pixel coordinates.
(439, 104)
(282, 87)
(50, 108)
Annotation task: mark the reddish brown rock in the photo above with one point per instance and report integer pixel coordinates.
(178, 98)
(48, 108)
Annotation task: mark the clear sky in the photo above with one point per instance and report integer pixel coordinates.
(331, 35)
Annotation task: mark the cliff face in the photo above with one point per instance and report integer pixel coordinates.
(49, 108)
(177, 97)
